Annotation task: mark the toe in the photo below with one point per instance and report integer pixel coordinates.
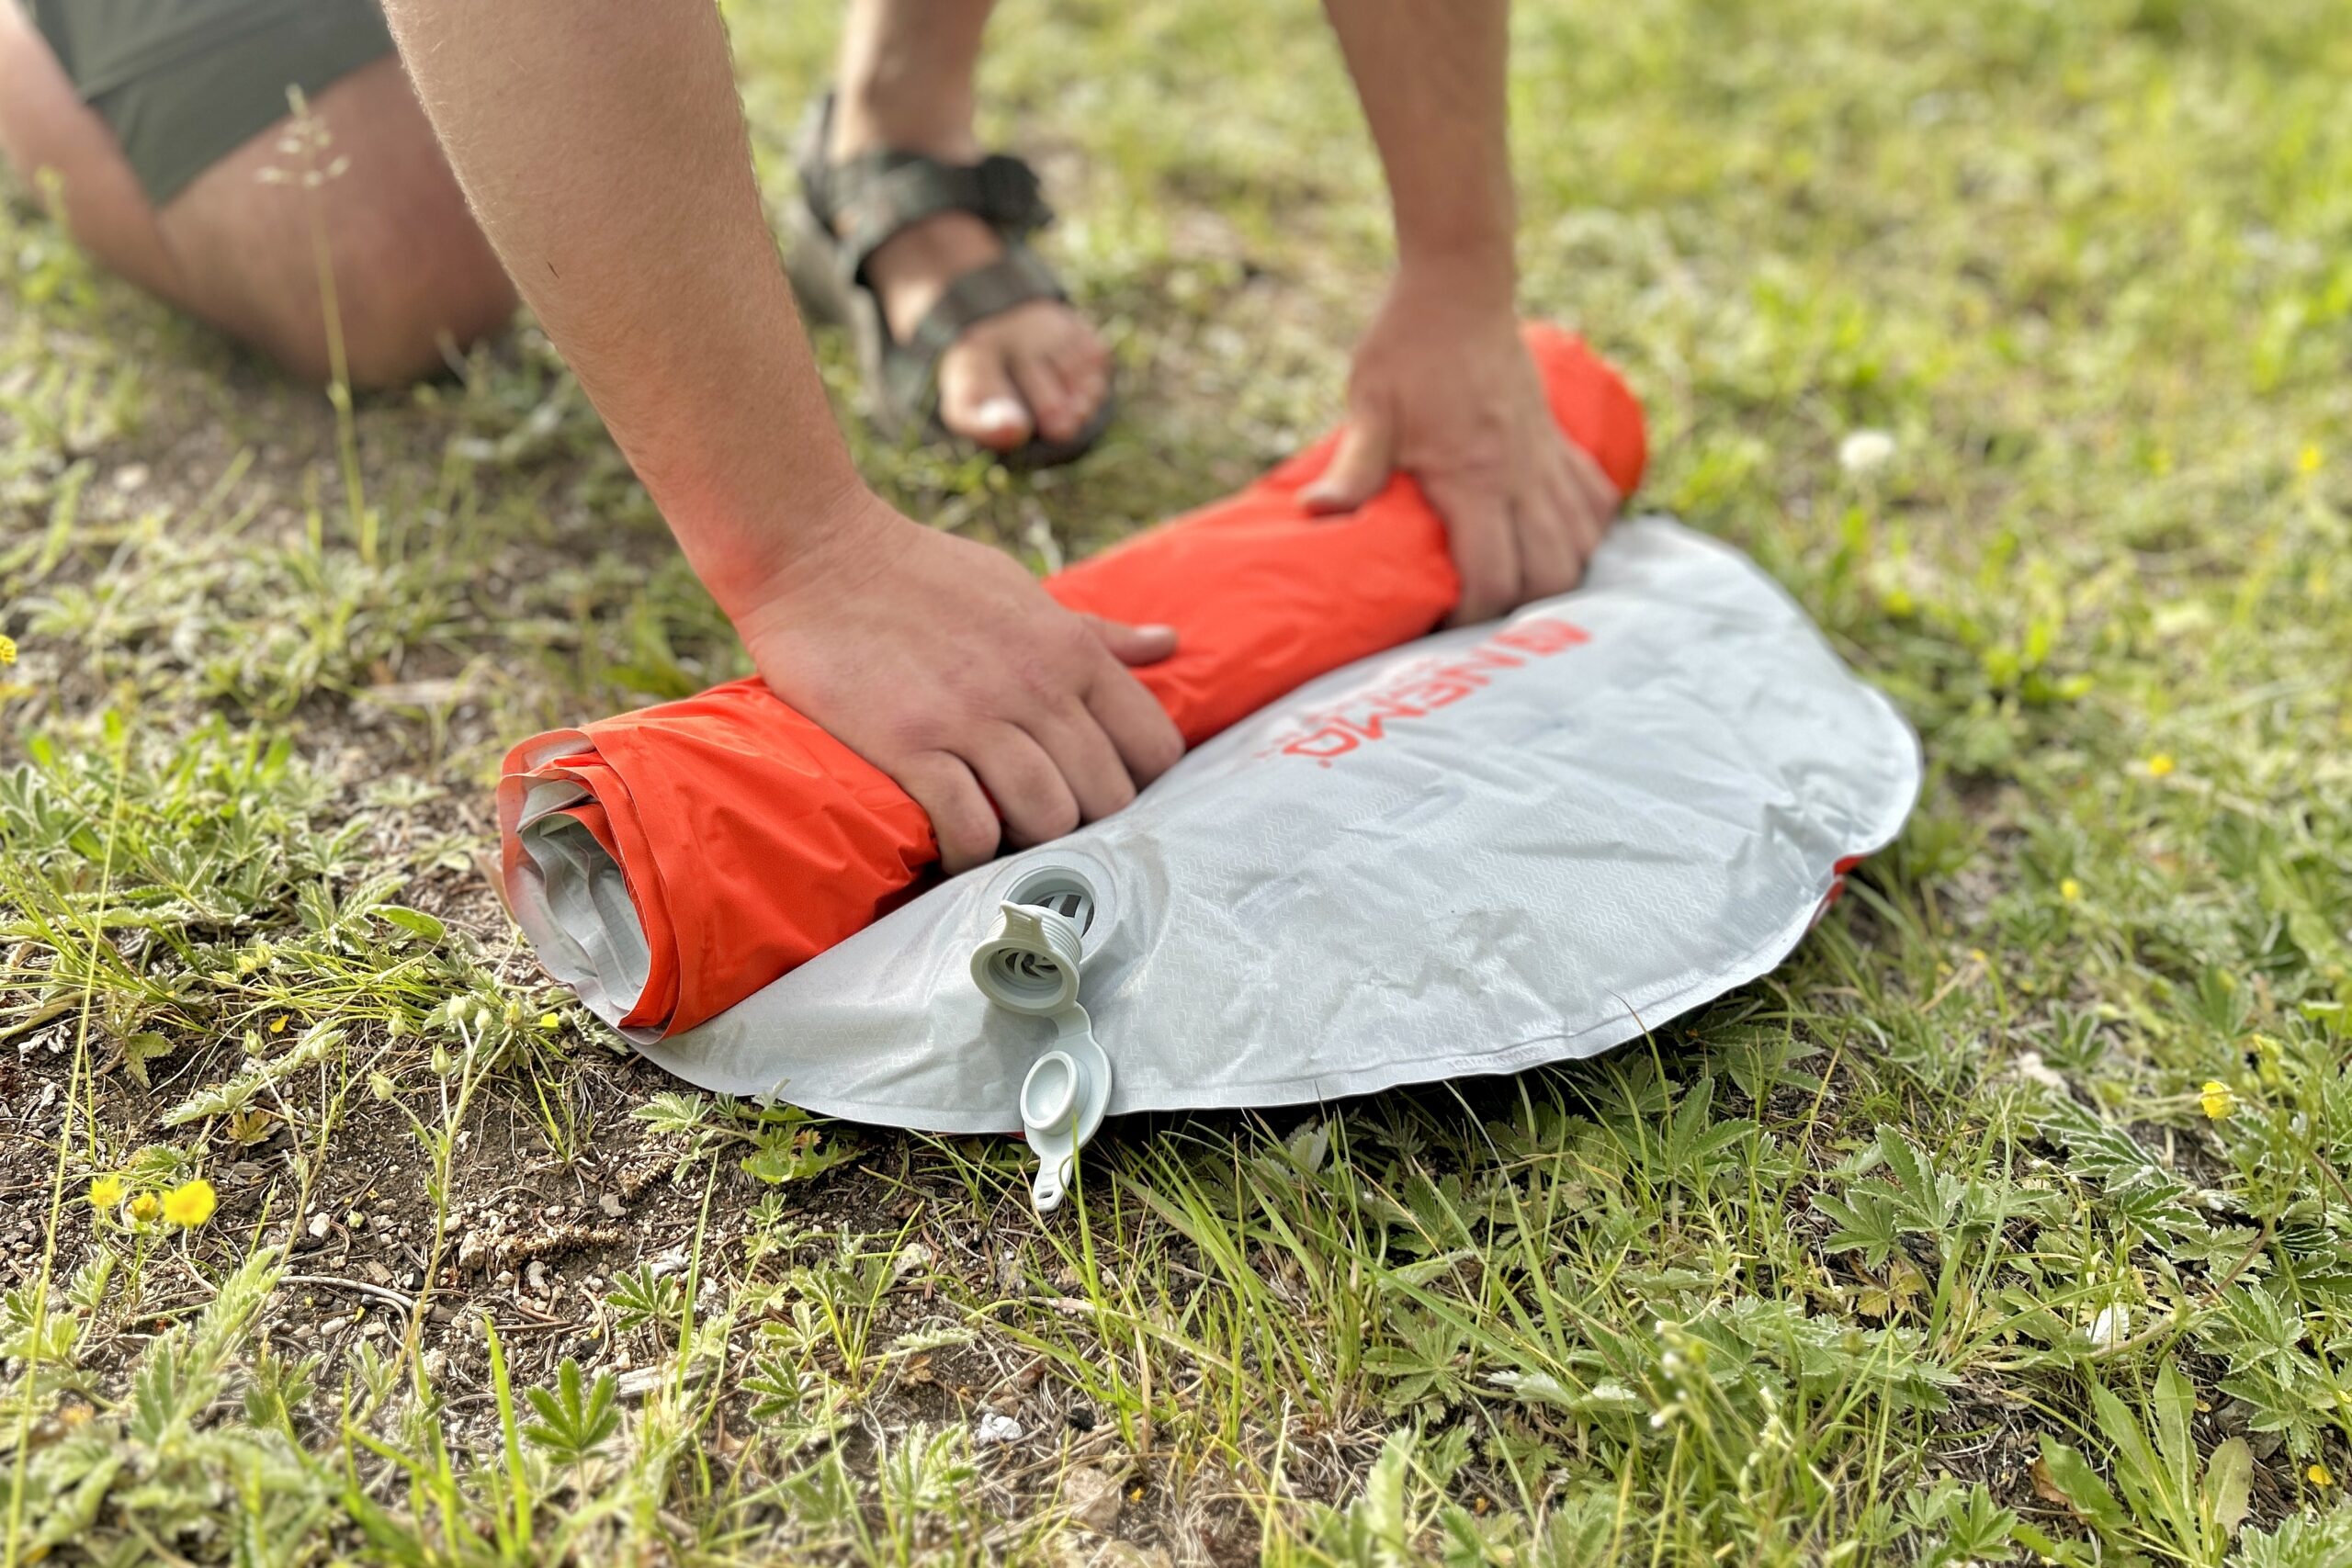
(1060, 413)
(1085, 368)
(978, 398)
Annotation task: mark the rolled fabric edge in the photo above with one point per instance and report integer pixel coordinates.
(552, 864)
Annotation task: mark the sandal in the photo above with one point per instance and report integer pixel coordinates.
(848, 210)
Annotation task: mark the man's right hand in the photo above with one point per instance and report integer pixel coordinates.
(937, 659)
(945, 664)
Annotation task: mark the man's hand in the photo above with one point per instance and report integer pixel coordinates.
(620, 157)
(945, 664)
(1445, 390)
(1443, 387)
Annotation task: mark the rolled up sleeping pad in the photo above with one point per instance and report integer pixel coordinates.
(748, 841)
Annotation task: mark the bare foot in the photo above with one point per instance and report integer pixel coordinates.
(1037, 367)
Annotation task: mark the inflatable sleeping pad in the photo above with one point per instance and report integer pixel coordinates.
(1388, 857)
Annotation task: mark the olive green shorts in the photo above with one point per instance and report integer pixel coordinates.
(183, 83)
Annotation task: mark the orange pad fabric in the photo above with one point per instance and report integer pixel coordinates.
(750, 840)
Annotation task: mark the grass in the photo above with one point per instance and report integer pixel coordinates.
(2007, 1223)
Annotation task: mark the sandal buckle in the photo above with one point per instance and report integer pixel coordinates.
(1011, 193)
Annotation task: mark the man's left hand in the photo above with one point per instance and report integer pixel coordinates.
(1444, 390)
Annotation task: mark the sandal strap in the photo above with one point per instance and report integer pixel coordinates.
(860, 202)
(869, 199)
(1013, 279)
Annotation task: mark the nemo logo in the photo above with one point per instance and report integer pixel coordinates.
(1428, 688)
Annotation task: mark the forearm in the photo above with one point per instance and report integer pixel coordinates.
(604, 153)
(1431, 76)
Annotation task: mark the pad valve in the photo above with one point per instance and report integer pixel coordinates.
(1030, 966)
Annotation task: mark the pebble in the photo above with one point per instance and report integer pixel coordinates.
(995, 1428)
(1091, 1497)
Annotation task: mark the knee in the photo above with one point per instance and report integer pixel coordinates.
(399, 315)
(409, 268)
(402, 334)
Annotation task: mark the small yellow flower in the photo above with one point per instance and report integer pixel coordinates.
(2216, 1099)
(2309, 461)
(7, 650)
(2320, 1475)
(277, 1025)
(190, 1203)
(2161, 765)
(2070, 890)
(549, 1021)
(146, 1208)
(1899, 602)
(106, 1192)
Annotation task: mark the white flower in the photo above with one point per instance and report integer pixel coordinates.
(2110, 1326)
(1866, 451)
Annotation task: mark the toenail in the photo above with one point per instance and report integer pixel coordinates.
(998, 413)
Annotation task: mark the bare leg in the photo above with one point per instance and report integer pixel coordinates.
(410, 265)
(45, 125)
(410, 268)
(906, 83)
